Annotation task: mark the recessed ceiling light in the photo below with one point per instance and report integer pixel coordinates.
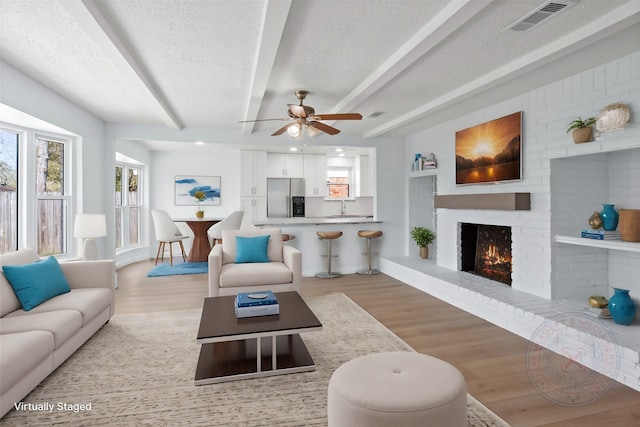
(293, 149)
(199, 143)
(341, 155)
(338, 150)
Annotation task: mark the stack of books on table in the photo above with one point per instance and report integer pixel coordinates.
(598, 313)
(260, 303)
(601, 234)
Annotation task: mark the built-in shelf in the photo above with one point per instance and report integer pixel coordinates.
(426, 172)
(493, 201)
(608, 142)
(617, 245)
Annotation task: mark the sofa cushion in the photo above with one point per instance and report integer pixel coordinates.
(252, 249)
(274, 248)
(21, 353)
(89, 302)
(37, 282)
(63, 324)
(8, 300)
(272, 273)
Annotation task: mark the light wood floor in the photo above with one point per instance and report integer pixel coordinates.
(492, 360)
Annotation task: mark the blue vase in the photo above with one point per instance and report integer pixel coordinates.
(622, 307)
(609, 217)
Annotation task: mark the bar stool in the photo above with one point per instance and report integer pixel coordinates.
(369, 234)
(328, 236)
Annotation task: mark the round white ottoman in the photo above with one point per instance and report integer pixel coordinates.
(397, 389)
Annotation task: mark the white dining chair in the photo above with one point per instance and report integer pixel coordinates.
(231, 222)
(167, 232)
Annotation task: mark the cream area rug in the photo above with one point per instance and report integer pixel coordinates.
(139, 369)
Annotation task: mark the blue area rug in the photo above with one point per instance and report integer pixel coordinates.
(179, 269)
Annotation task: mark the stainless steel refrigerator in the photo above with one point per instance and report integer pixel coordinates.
(280, 197)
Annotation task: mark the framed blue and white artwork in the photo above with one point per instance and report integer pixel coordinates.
(188, 185)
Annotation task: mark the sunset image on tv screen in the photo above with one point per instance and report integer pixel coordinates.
(489, 152)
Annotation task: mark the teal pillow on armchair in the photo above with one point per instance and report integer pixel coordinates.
(252, 249)
(35, 283)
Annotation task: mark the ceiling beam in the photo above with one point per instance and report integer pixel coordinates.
(446, 22)
(614, 21)
(272, 27)
(89, 17)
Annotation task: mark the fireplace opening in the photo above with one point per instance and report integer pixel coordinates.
(486, 251)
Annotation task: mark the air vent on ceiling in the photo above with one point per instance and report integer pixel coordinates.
(539, 14)
(374, 114)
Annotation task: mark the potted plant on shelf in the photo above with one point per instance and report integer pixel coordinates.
(582, 130)
(423, 236)
(200, 196)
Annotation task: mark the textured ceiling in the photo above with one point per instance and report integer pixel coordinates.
(211, 63)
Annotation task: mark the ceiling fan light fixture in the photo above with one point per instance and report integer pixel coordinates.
(313, 131)
(294, 130)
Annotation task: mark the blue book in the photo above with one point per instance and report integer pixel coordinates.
(597, 235)
(252, 299)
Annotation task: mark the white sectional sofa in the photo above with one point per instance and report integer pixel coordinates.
(34, 343)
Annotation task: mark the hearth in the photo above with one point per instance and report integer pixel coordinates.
(486, 251)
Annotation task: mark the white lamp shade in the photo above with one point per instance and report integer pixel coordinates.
(90, 226)
(294, 130)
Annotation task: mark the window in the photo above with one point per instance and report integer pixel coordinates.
(128, 203)
(339, 183)
(52, 201)
(36, 189)
(8, 190)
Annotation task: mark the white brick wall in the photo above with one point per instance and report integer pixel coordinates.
(565, 189)
(421, 212)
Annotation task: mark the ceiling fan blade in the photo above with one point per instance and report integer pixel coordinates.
(297, 110)
(265, 120)
(325, 128)
(283, 129)
(343, 116)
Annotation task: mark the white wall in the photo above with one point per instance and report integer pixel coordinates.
(547, 112)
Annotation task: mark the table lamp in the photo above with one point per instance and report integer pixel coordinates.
(89, 226)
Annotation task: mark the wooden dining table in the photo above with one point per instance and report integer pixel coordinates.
(200, 248)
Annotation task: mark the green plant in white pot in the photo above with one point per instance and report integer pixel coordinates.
(423, 236)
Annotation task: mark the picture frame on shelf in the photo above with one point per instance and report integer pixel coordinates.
(186, 187)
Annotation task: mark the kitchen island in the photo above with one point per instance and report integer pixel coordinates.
(348, 250)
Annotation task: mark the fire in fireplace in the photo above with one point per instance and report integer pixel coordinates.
(486, 251)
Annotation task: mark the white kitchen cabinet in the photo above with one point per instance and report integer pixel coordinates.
(253, 176)
(255, 208)
(364, 177)
(315, 175)
(284, 165)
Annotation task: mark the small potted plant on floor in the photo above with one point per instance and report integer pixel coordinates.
(200, 196)
(423, 236)
(582, 130)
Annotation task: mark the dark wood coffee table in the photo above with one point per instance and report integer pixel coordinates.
(253, 347)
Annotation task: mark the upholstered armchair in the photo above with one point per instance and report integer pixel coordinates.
(243, 265)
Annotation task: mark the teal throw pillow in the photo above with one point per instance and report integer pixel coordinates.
(252, 249)
(35, 283)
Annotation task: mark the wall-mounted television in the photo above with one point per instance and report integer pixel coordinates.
(490, 152)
